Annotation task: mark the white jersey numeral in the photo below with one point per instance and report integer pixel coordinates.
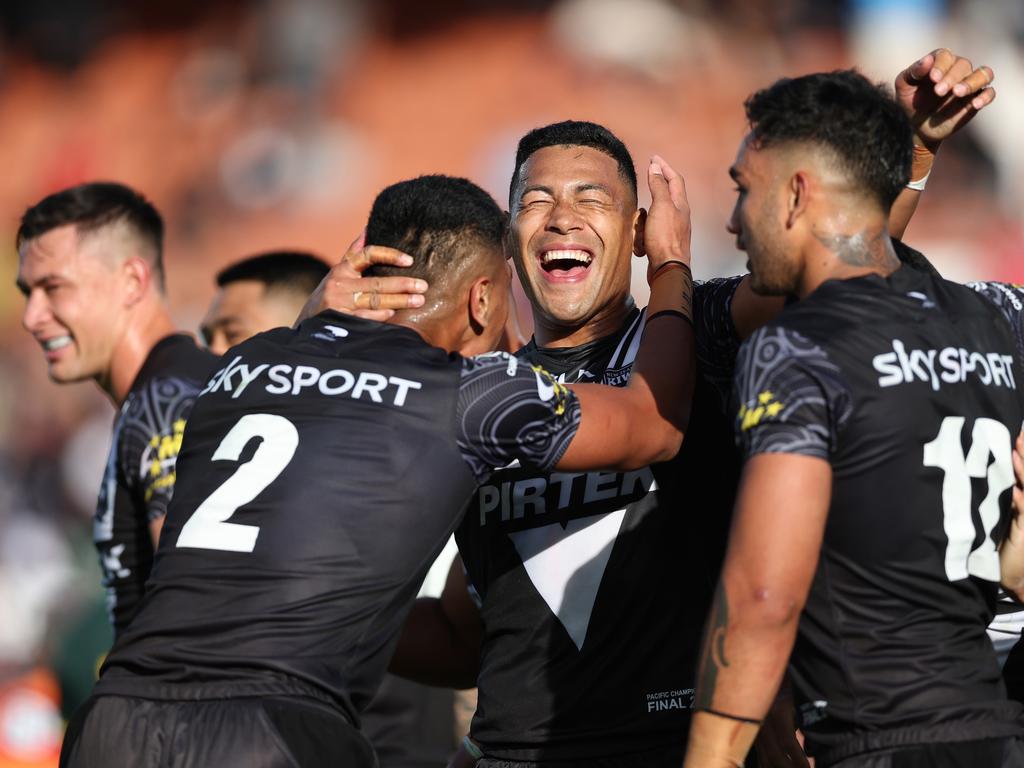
(207, 527)
(988, 438)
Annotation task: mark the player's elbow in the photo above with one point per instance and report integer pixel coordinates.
(769, 607)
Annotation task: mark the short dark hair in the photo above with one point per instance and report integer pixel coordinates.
(92, 206)
(438, 220)
(574, 133)
(843, 111)
(295, 271)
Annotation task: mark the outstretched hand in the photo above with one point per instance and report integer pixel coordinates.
(942, 92)
(666, 228)
(374, 298)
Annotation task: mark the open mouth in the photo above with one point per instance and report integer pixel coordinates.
(566, 264)
(53, 346)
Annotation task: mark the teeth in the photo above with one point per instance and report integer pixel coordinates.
(56, 343)
(582, 256)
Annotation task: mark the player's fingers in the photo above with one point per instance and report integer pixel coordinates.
(376, 300)
(959, 69)
(975, 81)
(356, 245)
(369, 255)
(983, 99)
(918, 71)
(944, 59)
(657, 183)
(676, 183)
(380, 315)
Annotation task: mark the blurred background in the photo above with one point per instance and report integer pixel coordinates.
(273, 123)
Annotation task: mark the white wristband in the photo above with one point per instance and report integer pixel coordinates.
(920, 184)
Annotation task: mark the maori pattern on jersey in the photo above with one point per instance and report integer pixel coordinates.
(508, 411)
(139, 476)
(1009, 299)
(790, 397)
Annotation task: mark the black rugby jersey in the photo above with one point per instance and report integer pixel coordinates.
(139, 477)
(910, 386)
(322, 471)
(593, 587)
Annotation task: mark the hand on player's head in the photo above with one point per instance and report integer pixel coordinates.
(941, 92)
(344, 289)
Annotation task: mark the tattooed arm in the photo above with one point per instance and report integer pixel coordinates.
(791, 400)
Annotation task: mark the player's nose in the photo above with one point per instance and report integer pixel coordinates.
(563, 218)
(37, 311)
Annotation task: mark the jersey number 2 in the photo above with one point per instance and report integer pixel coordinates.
(989, 437)
(207, 527)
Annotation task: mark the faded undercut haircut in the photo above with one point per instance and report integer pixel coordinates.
(295, 272)
(858, 121)
(574, 133)
(441, 221)
(93, 206)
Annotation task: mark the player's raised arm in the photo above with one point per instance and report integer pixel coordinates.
(941, 92)
(642, 423)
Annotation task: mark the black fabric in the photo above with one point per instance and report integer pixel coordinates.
(410, 725)
(1013, 672)
(116, 732)
(139, 476)
(989, 753)
(594, 586)
(910, 387)
(320, 475)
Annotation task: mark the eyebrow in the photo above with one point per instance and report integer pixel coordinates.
(25, 288)
(536, 188)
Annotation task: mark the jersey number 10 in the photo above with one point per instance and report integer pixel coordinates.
(988, 438)
(208, 528)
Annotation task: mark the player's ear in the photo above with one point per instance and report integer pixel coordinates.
(639, 222)
(481, 303)
(137, 276)
(797, 197)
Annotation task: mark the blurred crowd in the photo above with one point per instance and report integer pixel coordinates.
(272, 124)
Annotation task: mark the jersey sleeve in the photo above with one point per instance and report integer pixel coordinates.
(716, 341)
(509, 410)
(153, 426)
(789, 397)
(1009, 300)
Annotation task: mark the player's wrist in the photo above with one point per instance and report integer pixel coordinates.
(921, 164)
(671, 290)
(719, 739)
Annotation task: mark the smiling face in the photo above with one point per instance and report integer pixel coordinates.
(571, 234)
(759, 220)
(72, 286)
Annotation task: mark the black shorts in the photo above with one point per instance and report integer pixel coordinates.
(987, 753)
(278, 732)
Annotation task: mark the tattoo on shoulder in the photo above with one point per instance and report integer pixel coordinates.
(713, 657)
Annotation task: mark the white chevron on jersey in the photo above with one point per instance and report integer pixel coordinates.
(566, 565)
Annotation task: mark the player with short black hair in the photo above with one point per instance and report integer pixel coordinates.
(323, 470)
(258, 293)
(574, 133)
(93, 206)
(90, 266)
(876, 415)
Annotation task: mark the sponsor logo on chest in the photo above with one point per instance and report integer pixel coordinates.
(936, 367)
(517, 501)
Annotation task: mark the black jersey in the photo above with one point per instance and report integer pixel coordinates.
(322, 471)
(910, 387)
(139, 477)
(593, 587)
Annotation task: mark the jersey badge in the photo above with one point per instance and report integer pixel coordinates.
(766, 406)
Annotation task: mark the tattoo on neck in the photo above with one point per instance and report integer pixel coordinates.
(713, 657)
(861, 249)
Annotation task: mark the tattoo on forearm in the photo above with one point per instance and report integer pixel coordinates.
(861, 249)
(713, 658)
